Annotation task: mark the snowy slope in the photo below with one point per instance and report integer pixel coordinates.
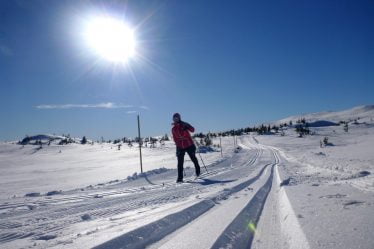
(364, 113)
(29, 169)
(330, 188)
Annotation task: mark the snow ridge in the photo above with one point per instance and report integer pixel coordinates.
(290, 225)
(158, 229)
(238, 234)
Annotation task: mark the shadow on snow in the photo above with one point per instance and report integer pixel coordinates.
(210, 182)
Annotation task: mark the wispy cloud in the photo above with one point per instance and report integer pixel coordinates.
(131, 112)
(5, 50)
(108, 105)
(144, 107)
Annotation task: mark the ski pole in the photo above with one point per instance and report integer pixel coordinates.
(201, 158)
(203, 162)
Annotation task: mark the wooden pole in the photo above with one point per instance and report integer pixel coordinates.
(140, 146)
(220, 145)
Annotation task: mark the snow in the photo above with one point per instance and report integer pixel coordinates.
(28, 169)
(276, 191)
(329, 197)
(280, 221)
(207, 230)
(365, 113)
(350, 154)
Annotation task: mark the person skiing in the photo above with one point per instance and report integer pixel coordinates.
(184, 143)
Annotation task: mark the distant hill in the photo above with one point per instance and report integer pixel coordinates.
(48, 139)
(362, 113)
(327, 118)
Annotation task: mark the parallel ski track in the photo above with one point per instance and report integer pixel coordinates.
(163, 227)
(159, 229)
(239, 234)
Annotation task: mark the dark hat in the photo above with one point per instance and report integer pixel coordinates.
(177, 115)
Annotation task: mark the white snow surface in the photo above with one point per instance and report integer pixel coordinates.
(29, 169)
(88, 195)
(364, 113)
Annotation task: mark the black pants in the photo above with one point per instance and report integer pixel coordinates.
(191, 151)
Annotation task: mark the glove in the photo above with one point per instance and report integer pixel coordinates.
(185, 126)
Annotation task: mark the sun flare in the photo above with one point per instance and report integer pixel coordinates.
(111, 38)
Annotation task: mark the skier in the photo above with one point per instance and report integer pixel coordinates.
(182, 138)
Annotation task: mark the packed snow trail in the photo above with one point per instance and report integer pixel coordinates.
(205, 209)
(240, 233)
(160, 228)
(212, 227)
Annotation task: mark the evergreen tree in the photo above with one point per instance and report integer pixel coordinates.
(208, 141)
(166, 137)
(84, 140)
(346, 127)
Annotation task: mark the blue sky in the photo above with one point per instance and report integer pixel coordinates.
(221, 64)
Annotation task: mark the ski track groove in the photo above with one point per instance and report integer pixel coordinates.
(238, 234)
(7, 237)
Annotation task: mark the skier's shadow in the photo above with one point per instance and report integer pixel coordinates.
(210, 182)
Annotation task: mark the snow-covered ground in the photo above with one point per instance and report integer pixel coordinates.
(28, 169)
(363, 113)
(331, 188)
(275, 192)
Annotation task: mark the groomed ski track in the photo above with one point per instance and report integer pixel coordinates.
(226, 219)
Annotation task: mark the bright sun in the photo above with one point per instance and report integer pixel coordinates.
(111, 39)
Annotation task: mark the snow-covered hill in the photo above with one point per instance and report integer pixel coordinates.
(48, 139)
(363, 113)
